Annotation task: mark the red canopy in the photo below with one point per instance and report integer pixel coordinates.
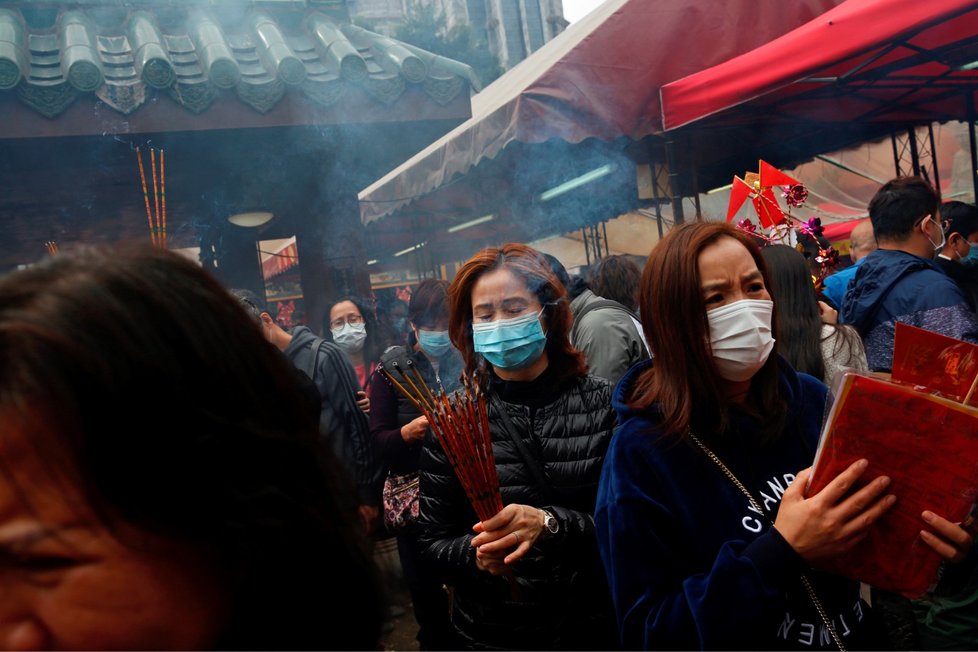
(865, 61)
(598, 80)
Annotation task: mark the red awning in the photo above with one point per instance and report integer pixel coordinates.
(284, 258)
(865, 61)
(597, 80)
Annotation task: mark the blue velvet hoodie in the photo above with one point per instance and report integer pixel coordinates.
(690, 564)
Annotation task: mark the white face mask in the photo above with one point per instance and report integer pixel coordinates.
(350, 337)
(740, 335)
(938, 247)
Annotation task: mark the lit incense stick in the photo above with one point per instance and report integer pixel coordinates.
(149, 212)
(156, 197)
(163, 195)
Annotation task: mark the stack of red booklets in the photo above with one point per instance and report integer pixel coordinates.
(914, 428)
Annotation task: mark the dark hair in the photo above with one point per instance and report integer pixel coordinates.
(800, 325)
(677, 329)
(429, 302)
(574, 286)
(962, 218)
(146, 383)
(251, 302)
(375, 343)
(531, 266)
(616, 278)
(899, 205)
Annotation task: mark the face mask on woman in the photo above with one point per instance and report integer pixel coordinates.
(350, 337)
(510, 343)
(434, 343)
(740, 335)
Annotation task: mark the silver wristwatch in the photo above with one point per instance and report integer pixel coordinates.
(550, 523)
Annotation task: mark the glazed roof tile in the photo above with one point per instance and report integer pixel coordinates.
(197, 58)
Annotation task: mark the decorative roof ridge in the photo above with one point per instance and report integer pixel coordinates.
(199, 57)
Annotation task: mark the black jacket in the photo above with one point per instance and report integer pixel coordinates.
(390, 409)
(342, 425)
(565, 602)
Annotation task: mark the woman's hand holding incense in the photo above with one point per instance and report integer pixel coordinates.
(831, 522)
(515, 526)
(413, 431)
(949, 540)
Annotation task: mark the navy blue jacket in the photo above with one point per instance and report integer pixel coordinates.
(894, 286)
(690, 564)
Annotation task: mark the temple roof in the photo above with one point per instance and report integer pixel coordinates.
(194, 52)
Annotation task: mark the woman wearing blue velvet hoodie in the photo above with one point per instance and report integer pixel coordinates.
(692, 561)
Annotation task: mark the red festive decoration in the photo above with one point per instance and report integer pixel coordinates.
(757, 186)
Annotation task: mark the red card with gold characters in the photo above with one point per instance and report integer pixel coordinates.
(927, 445)
(941, 364)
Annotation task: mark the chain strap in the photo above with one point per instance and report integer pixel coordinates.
(757, 507)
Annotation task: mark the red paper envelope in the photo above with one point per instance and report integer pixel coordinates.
(939, 363)
(928, 445)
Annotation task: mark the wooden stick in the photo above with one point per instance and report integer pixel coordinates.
(156, 196)
(163, 195)
(971, 392)
(401, 388)
(417, 374)
(149, 212)
(410, 382)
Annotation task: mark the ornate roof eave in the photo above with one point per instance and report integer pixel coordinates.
(199, 58)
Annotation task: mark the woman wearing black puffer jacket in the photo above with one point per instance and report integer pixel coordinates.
(550, 425)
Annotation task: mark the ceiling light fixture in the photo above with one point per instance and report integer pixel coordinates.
(576, 182)
(471, 223)
(251, 218)
(409, 249)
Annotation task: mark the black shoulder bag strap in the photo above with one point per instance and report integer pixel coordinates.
(830, 627)
(536, 469)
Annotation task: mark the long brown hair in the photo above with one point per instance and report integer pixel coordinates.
(528, 264)
(674, 319)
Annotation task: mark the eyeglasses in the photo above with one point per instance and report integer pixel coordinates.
(352, 320)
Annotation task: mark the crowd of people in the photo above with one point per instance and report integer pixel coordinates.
(177, 471)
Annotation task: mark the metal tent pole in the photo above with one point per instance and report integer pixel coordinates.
(970, 101)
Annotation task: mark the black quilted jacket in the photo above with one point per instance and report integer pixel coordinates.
(565, 602)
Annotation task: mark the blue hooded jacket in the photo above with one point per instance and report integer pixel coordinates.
(690, 563)
(894, 286)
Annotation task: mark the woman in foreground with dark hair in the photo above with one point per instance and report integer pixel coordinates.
(809, 337)
(161, 484)
(693, 561)
(509, 318)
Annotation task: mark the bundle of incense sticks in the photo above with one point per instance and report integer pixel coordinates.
(460, 422)
(157, 220)
(51, 246)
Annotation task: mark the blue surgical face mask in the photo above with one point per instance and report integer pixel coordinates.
(510, 343)
(435, 343)
(971, 260)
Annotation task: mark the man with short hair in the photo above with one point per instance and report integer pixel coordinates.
(862, 242)
(900, 282)
(960, 254)
(342, 424)
(608, 333)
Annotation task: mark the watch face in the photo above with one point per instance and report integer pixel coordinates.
(551, 523)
